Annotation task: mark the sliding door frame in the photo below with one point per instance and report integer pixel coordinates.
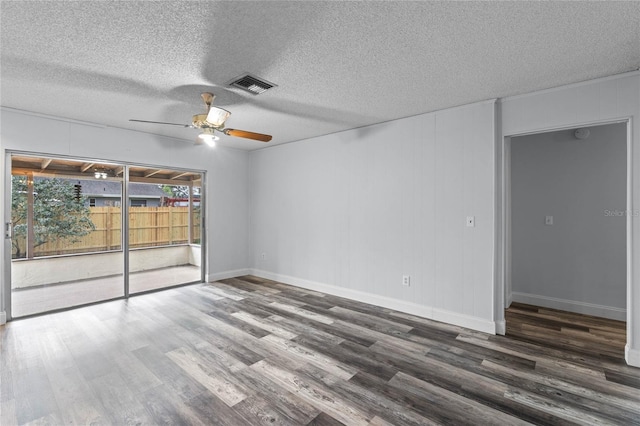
(6, 295)
(7, 228)
(124, 233)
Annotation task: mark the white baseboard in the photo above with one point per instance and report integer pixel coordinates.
(428, 312)
(501, 327)
(610, 312)
(632, 356)
(3, 318)
(226, 274)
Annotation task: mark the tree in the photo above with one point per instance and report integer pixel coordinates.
(179, 191)
(182, 191)
(59, 213)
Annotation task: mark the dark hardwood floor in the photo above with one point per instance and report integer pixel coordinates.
(567, 331)
(249, 351)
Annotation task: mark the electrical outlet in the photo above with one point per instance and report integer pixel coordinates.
(548, 220)
(471, 221)
(264, 256)
(406, 280)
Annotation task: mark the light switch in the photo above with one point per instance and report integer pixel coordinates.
(471, 221)
(548, 220)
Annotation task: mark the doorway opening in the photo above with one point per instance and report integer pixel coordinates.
(566, 230)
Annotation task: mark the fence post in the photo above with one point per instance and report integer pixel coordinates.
(170, 225)
(108, 228)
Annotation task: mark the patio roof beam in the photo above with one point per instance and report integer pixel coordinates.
(140, 179)
(57, 174)
(86, 166)
(45, 163)
(177, 175)
(151, 173)
(76, 175)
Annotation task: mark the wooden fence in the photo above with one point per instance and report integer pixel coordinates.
(148, 227)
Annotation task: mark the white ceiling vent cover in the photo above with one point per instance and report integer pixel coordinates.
(251, 84)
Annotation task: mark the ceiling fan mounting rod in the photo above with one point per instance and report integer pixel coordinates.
(208, 99)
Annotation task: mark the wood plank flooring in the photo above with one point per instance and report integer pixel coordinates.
(567, 331)
(249, 351)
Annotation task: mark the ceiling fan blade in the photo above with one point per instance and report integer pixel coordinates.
(248, 135)
(162, 122)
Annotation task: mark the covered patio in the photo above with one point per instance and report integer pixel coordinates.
(79, 227)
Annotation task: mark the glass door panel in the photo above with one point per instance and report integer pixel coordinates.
(67, 238)
(164, 243)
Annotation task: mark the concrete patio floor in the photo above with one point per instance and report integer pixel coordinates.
(34, 300)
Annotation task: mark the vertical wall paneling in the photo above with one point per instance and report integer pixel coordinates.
(351, 213)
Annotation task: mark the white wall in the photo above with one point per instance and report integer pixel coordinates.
(579, 262)
(227, 177)
(596, 101)
(350, 213)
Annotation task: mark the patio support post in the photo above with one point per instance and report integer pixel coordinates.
(31, 236)
(190, 218)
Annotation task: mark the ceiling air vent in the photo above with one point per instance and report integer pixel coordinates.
(251, 84)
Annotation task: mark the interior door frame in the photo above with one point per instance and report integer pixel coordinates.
(503, 273)
(5, 295)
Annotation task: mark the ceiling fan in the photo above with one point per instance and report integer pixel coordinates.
(213, 121)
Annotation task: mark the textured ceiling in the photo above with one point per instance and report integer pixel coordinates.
(338, 65)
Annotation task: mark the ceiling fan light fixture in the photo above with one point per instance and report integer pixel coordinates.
(217, 116)
(214, 119)
(208, 137)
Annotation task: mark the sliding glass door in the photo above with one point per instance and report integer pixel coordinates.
(84, 231)
(164, 229)
(66, 247)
